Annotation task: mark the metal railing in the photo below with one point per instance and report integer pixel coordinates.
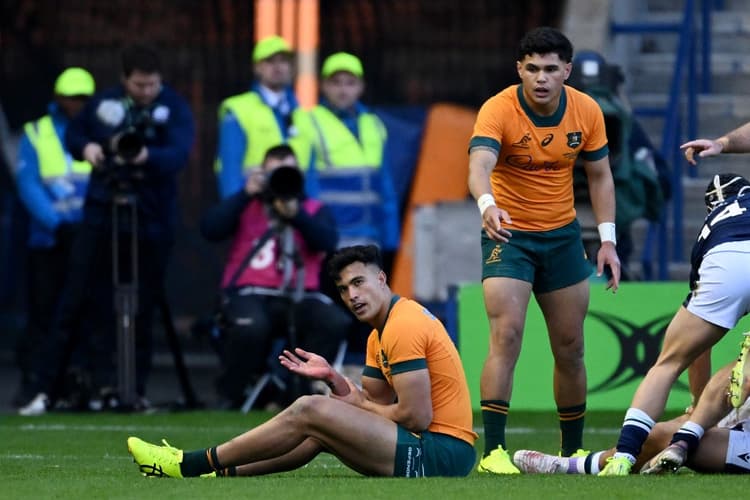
(681, 109)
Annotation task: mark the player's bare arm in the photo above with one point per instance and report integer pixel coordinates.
(736, 141)
(482, 161)
(378, 390)
(602, 193)
(413, 408)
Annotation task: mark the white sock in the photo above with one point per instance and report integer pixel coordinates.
(595, 462)
(639, 418)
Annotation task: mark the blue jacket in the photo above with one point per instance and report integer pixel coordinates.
(378, 224)
(168, 145)
(233, 144)
(40, 197)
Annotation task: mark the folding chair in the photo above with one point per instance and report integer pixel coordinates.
(272, 377)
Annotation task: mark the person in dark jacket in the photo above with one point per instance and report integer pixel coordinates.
(271, 280)
(137, 136)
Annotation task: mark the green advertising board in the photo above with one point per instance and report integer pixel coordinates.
(622, 332)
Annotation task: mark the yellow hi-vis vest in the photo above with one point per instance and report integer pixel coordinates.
(337, 148)
(53, 160)
(262, 131)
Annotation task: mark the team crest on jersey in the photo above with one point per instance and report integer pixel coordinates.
(494, 255)
(574, 139)
(523, 142)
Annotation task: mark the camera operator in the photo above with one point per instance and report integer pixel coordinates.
(160, 124)
(273, 226)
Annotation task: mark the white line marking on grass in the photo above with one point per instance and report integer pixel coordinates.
(552, 430)
(28, 456)
(229, 429)
(119, 428)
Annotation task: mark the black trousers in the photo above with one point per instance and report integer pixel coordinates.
(246, 346)
(89, 285)
(47, 271)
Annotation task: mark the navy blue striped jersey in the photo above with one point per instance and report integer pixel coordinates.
(729, 221)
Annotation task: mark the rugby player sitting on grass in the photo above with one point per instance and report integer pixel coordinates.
(412, 417)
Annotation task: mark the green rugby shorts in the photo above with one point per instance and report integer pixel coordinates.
(549, 260)
(430, 454)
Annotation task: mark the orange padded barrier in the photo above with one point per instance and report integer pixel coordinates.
(266, 19)
(298, 22)
(441, 175)
(308, 26)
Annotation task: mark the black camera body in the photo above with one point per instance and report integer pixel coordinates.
(125, 145)
(132, 134)
(285, 183)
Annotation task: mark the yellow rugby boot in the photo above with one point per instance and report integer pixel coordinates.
(616, 466)
(497, 462)
(154, 460)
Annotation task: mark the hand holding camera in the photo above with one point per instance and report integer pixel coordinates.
(256, 182)
(94, 154)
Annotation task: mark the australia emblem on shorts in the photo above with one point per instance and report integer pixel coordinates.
(494, 255)
(574, 139)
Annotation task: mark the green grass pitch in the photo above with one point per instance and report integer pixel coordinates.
(84, 456)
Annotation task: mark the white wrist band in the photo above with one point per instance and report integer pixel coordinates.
(485, 201)
(607, 232)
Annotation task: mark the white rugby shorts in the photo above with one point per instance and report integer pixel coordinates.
(723, 293)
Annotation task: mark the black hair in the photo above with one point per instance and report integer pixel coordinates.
(545, 40)
(140, 57)
(366, 254)
(279, 152)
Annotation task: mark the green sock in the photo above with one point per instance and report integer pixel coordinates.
(571, 428)
(494, 416)
(195, 463)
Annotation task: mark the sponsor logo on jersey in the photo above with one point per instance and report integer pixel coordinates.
(547, 139)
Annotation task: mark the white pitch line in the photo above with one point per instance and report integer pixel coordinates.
(181, 429)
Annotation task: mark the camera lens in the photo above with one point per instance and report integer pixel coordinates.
(129, 144)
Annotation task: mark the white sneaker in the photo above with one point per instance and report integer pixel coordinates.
(37, 406)
(670, 459)
(536, 462)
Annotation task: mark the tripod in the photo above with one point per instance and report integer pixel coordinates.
(126, 296)
(125, 283)
(289, 261)
(126, 307)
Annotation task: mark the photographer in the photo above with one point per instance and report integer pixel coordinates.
(271, 278)
(144, 114)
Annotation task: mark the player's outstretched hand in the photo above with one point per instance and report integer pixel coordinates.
(701, 147)
(307, 364)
